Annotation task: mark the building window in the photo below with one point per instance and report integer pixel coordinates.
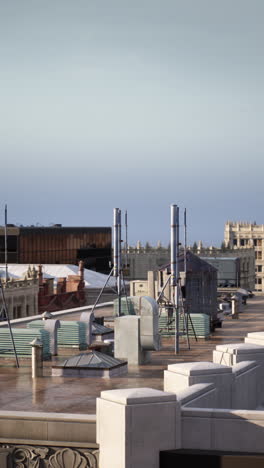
(19, 312)
(259, 268)
(257, 242)
(235, 242)
(242, 242)
(258, 255)
(258, 280)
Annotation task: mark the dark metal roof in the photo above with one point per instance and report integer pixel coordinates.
(93, 360)
(194, 263)
(98, 329)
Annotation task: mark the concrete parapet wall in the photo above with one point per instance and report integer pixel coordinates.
(244, 391)
(213, 410)
(235, 353)
(198, 396)
(72, 430)
(223, 430)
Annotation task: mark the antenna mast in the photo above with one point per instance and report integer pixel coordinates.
(6, 265)
(175, 269)
(117, 254)
(126, 249)
(185, 243)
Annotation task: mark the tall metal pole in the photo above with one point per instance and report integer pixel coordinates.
(6, 266)
(126, 227)
(117, 254)
(185, 243)
(115, 226)
(8, 321)
(175, 269)
(119, 262)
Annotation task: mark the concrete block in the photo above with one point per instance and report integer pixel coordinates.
(258, 335)
(127, 340)
(146, 421)
(196, 429)
(239, 352)
(175, 383)
(180, 376)
(244, 393)
(241, 431)
(198, 396)
(220, 357)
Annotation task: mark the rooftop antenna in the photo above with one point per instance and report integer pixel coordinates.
(115, 254)
(176, 303)
(185, 243)
(175, 269)
(119, 263)
(4, 313)
(117, 270)
(4, 310)
(126, 247)
(6, 265)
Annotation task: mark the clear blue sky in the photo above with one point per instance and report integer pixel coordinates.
(132, 104)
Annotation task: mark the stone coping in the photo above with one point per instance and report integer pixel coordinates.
(259, 335)
(193, 392)
(240, 348)
(51, 443)
(199, 368)
(244, 366)
(137, 396)
(48, 416)
(251, 415)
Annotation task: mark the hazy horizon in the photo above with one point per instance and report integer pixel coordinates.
(134, 105)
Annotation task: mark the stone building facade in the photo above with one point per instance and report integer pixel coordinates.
(21, 297)
(244, 235)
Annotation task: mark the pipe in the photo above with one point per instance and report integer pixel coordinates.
(175, 268)
(115, 253)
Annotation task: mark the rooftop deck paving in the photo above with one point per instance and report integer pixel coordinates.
(72, 395)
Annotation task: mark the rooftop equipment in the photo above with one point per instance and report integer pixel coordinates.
(23, 338)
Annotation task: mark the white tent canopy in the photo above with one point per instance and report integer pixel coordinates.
(92, 279)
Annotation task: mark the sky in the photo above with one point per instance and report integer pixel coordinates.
(136, 105)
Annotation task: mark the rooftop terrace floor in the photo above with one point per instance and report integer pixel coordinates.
(71, 395)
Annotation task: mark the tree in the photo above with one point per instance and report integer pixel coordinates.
(194, 247)
(223, 247)
(147, 247)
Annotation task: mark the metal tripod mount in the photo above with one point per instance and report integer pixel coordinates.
(4, 313)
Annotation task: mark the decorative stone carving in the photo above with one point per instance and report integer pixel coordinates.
(25, 456)
(67, 458)
(28, 457)
(93, 458)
